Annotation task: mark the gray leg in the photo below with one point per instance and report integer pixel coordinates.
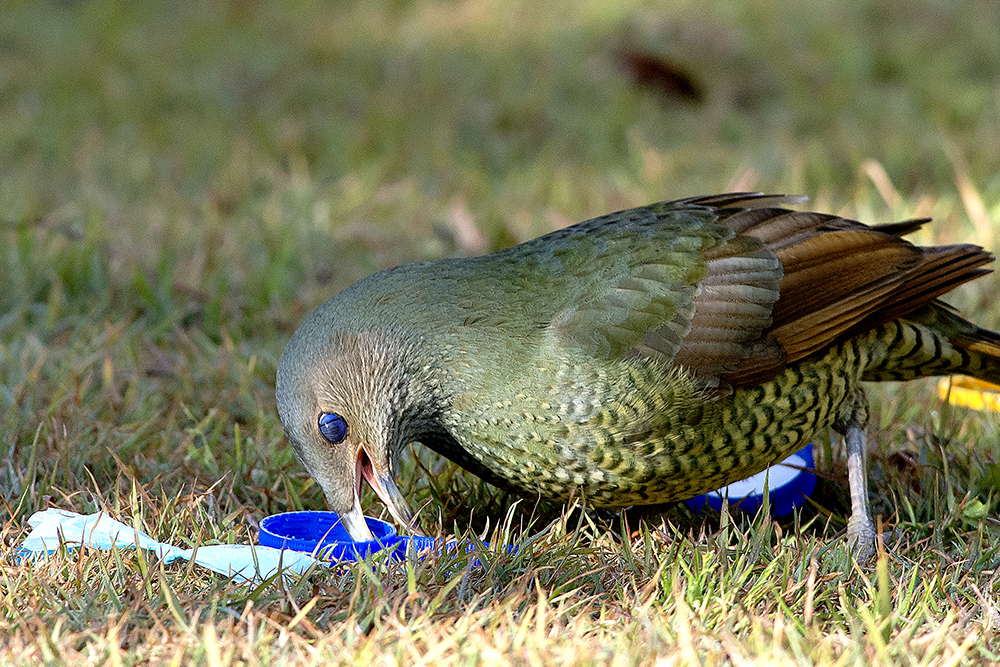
(860, 528)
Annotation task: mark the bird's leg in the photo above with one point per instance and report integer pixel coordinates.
(851, 421)
(860, 528)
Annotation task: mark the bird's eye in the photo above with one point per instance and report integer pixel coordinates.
(332, 427)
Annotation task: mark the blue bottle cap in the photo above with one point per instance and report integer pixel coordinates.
(789, 483)
(417, 546)
(321, 534)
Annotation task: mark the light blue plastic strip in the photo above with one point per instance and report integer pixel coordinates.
(54, 527)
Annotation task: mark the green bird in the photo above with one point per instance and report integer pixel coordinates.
(642, 357)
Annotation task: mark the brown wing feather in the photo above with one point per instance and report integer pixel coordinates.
(840, 277)
(732, 308)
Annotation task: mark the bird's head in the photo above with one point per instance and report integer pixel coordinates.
(348, 401)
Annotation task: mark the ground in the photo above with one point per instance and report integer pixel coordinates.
(182, 183)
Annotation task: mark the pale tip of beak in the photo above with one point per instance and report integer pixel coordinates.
(354, 522)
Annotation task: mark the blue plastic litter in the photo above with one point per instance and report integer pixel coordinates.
(321, 534)
(789, 483)
(416, 546)
(54, 528)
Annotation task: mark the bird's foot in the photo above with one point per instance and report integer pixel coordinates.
(861, 537)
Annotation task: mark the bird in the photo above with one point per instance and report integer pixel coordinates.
(638, 358)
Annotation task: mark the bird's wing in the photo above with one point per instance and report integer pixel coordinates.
(642, 278)
(841, 277)
(734, 287)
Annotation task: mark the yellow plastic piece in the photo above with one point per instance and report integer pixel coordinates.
(970, 393)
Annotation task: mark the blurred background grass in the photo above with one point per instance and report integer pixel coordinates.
(181, 183)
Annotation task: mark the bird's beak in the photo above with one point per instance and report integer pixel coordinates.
(385, 488)
(355, 524)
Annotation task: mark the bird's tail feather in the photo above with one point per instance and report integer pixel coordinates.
(983, 348)
(935, 340)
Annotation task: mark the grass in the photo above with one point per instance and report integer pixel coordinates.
(183, 183)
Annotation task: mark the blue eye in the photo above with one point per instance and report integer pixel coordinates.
(333, 427)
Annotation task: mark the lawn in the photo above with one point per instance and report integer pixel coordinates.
(182, 183)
